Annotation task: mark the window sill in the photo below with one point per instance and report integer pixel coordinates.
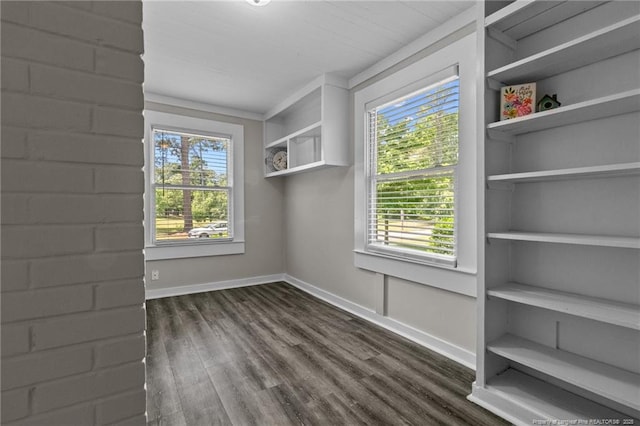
(186, 250)
(457, 280)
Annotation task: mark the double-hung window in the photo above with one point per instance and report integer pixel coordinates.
(192, 186)
(416, 176)
(412, 156)
(194, 172)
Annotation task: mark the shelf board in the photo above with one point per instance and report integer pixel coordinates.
(514, 390)
(616, 313)
(610, 170)
(593, 109)
(607, 42)
(317, 125)
(299, 169)
(579, 239)
(613, 383)
(278, 143)
(525, 17)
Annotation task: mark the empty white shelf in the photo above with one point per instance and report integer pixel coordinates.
(603, 379)
(534, 397)
(605, 43)
(621, 314)
(609, 170)
(593, 109)
(313, 129)
(579, 239)
(524, 17)
(299, 169)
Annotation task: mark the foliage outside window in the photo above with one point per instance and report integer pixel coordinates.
(412, 158)
(191, 187)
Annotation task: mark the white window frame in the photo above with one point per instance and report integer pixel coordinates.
(436, 79)
(195, 248)
(459, 277)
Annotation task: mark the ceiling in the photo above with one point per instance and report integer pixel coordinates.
(235, 55)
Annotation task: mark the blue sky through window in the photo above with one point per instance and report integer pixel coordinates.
(443, 97)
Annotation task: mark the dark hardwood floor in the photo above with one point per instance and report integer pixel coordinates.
(274, 355)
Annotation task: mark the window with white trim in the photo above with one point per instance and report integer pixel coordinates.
(194, 203)
(412, 157)
(433, 169)
(192, 189)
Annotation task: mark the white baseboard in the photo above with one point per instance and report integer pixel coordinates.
(219, 285)
(456, 353)
(503, 407)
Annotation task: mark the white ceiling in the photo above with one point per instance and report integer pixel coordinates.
(234, 55)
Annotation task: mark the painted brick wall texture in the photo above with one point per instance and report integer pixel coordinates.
(71, 237)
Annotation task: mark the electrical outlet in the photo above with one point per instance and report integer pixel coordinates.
(155, 275)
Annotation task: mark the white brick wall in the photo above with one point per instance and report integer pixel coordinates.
(72, 237)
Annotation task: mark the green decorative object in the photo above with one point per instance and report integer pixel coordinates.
(548, 102)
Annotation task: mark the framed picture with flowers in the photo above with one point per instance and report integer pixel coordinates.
(517, 101)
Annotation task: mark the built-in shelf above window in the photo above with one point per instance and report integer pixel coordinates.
(309, 130)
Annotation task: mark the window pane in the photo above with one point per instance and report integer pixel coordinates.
(413, 153)
(182, 214)
(415, 214)
(419, 131)
(185, 159)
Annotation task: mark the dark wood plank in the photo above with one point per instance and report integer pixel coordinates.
(273, 355)
(162, 397)
(199, 400)
(173, 419)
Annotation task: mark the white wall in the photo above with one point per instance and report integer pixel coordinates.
(264, 247)
(72, 236)
(319, 234)
(319, 251)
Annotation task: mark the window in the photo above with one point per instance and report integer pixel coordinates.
(192, 190)
(416, 175)
(194, 199)
(412, 157)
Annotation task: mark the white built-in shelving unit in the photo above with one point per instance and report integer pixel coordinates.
(311, 127)
(559, 248)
